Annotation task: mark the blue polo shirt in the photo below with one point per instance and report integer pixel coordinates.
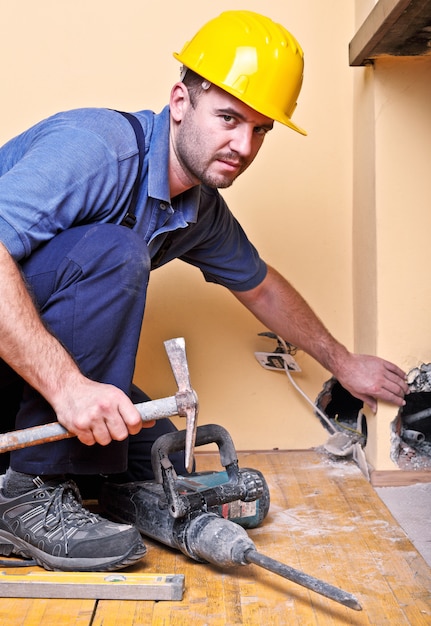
(79, 167)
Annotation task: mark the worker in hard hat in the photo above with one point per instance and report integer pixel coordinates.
(92, 200)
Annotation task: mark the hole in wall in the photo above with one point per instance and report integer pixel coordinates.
(341, 408)
(411, 429)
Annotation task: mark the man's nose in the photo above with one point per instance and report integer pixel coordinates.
(242, 141)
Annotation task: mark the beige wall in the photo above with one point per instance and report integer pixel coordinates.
(391, 220)
(295, 201)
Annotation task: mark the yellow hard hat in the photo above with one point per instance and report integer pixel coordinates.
(252, 58)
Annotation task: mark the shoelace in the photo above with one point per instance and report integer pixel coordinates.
(65, 504)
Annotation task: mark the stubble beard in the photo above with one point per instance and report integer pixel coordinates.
(191, 154)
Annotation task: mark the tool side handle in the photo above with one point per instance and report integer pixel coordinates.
(205, 434)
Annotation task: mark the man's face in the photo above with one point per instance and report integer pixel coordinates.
(218, 139)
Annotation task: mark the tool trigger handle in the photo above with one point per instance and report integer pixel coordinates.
(205, 434)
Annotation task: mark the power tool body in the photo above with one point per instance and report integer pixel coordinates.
(204, 515)
(163, 508)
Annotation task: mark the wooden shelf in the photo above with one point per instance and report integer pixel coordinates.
(395, 28)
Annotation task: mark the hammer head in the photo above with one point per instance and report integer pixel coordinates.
(186, 398)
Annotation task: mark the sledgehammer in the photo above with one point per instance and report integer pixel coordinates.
(184, 403)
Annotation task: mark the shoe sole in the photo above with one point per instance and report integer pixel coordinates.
(11, 544)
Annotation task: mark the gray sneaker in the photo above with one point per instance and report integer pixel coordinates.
(50, 525)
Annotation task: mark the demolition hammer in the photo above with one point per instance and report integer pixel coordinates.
(183, 403)
(204, 515)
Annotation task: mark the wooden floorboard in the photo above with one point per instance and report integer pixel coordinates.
(325, 519)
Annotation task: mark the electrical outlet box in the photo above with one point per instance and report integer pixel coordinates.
(277, 361)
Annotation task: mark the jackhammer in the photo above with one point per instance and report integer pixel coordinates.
(205, 514)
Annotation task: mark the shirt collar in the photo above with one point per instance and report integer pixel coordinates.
(158, 164)
(158, 161)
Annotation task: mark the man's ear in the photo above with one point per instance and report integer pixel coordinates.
(179, 101)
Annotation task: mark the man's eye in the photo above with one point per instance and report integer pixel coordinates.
(260, 130)
(228, 119)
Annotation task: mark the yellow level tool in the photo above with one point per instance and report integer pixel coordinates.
(94, 585)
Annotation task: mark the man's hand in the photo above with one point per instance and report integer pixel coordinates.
(99, 413)
(371, 378)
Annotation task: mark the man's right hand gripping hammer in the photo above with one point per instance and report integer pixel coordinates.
(183, 403)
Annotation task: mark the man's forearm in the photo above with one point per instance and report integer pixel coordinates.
(26, 345)
(282, 309)
(94, 411)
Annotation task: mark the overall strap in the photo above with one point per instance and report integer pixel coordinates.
(129, 219)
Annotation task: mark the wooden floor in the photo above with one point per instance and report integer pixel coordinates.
(325, 519)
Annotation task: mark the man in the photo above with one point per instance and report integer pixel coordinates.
(73, 288)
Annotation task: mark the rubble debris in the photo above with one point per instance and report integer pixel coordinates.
(411, 429)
